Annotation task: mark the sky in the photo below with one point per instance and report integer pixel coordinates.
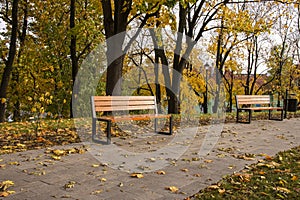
(2, 25)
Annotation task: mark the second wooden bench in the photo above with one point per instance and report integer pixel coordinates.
(246, 102)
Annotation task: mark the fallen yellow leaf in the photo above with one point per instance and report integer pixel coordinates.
(137, 175)
(58, 152)
(6, 184)
(4, 194)
(214, 187)
(70, 184)
(95, 165)
(294, 178)
(282, 189)
(103, 180)
(262, 172)
(14, 163)
(197, 175)
(221, 191)
(97, 192)
(208, 161)
(185, 170)
(73, 150)
(54, 157)
(246, 158)
(161, 172)
(267, 157)
(172, 189)
(21, 145)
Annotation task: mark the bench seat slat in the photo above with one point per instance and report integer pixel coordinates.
(253, 102)
(125, 103)
(122, 107)
(262, 108)
(123, 98)
(247, 100)
(132, 117)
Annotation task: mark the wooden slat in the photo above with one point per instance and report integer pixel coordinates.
(119, 108)
(125, 103)
(133, 117)
(252, 96)
(123, 98)
(263, 108)
(254, 102)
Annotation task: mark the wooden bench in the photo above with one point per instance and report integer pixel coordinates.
(116, 104)
(246, 102)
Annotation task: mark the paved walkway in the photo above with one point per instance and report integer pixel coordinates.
(82, 176)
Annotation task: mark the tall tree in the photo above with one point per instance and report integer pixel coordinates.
(117, 16)
(16, 96)
(194, 19)
(73, 50)
(10, 59)
(282, 50)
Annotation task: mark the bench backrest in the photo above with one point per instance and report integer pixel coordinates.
(252, 99)
(122, 103)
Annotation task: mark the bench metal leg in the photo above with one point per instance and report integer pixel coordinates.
(238, 117)
(171, 125)
(94, 129)
(250, 116)
(281, 115)
(161, 132)
(108, 132)
(155, 125)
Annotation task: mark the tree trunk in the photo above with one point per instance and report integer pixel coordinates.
(15, 77)
(231, 91)
(174, 104)
(115, 23)
(16, 108)
(10, 61)
(114, 76)
(157, 85)
(218, 88)
(74, 60)
(160, 57)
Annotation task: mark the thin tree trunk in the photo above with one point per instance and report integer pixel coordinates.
(10, 61)
(17, 106)
(73, 50)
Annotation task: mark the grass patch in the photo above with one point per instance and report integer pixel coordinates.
(272, 178)
(22, 136)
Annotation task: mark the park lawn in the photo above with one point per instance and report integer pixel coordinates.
(275, 177)
(28, 135)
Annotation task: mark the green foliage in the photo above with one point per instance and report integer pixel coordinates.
(272, 178)
(42, 77)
